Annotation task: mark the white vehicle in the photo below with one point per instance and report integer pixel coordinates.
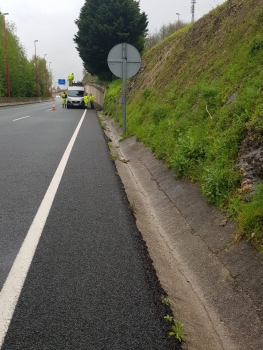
(75, 94)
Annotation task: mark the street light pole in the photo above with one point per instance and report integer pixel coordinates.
(45, 72)
(35, 41)
(178, 22)
(50, 79)
(6, 59)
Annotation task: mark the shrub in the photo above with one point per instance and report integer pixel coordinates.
(250, 219)
(219, 180)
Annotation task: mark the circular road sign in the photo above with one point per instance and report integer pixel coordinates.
(121, 55)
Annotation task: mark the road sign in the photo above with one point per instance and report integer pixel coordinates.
(124, 53)
(124, 61)
(61, 81)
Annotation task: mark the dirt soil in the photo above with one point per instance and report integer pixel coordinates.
(214, 288)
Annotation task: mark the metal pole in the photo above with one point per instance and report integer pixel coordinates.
(51, 81)
(178, 21)
(193, 9)
(45, 72)
(6, 59)
(36, 68)
(124, 75)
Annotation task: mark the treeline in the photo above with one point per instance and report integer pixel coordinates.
(22, 72)
(163, 32)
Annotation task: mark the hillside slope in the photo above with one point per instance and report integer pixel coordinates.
(197, 103)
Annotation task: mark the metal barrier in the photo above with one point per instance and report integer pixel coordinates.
(11, 101)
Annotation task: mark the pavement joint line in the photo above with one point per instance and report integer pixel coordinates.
(13, 285)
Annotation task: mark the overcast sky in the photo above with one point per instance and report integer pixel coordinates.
(51, 22)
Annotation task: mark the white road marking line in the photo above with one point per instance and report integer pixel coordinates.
(14, 283)
(21, 118)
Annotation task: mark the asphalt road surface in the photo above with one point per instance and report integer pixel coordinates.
(74, 270)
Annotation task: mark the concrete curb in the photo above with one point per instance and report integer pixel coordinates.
(214, 288)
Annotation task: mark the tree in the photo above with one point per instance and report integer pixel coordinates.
(103, 24)
(21, 71)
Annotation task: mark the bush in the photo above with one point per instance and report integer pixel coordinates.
(159, 113)
(250, 219)
(219, 180)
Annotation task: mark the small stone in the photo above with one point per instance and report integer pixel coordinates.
(223, 222)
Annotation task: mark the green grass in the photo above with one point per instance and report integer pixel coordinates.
(250, 219)
(200, 104)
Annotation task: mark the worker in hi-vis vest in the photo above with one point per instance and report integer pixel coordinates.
(70, 79)
(86, 100)
(64, 99)
(91, 100)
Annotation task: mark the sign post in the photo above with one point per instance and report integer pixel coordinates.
(124, 61)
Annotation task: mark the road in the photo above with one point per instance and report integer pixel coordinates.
(74, 270)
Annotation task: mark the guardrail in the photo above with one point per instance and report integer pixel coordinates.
(11, 101)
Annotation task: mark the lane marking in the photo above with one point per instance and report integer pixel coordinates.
(14, 283)
(21, 118)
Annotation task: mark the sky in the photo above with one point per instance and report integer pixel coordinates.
(51, 22)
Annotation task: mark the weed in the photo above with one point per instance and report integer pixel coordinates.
(250, 219)
(114, 157)
(160, 113)
(177, 331)
(219, 181)
(168, 318)
(176, 328)
(146, 93)
(256, 44)
(132, 207)
(165, 300)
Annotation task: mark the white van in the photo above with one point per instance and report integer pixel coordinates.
(75, 94)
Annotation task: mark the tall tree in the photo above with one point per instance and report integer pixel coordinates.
(103, 24)
(21, 71)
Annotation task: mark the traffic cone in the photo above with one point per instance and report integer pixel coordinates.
(53, 107)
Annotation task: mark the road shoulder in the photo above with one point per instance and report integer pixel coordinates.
(214, 288)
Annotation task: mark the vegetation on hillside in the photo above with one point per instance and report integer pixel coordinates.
(165, 31)
(22, 73)
(104, 24)
(196, 99)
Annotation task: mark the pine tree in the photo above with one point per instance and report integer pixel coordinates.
(103, 24)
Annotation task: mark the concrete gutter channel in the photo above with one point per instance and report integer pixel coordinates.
(214, 288)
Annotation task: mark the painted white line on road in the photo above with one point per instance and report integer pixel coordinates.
(21, 118)
(14, 283)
